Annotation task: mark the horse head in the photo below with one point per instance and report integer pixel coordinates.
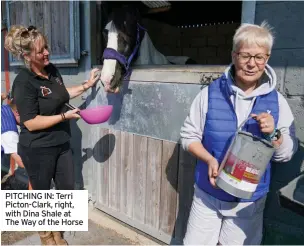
(123, 34)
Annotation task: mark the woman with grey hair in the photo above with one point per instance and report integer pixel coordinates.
(247, 87)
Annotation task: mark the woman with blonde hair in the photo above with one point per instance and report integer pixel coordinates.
(247, 87)
(40, 96)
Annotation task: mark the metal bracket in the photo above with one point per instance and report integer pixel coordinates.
(208, 78)
(84, 53)
(3, 23)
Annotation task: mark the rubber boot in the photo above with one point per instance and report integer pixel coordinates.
(58, 238)
(46, 238)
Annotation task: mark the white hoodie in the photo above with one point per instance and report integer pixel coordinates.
(193, 128)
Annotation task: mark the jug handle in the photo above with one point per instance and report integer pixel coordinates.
(249, 117)
(243, 123)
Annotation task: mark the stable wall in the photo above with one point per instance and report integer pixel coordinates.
(281, 225)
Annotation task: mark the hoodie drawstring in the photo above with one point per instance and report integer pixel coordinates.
(249, 108)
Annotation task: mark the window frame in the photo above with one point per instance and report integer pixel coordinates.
(71, 59)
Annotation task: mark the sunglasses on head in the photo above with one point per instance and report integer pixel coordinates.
(26, 33)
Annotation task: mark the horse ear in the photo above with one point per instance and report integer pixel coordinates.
(134, 11)
(138, 15)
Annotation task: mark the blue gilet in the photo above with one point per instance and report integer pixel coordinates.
(220, 127)
(8, 121)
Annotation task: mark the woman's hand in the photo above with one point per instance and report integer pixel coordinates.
(3, 96)
(72, 114)
(75, 91)
(266, 122)
(94, 77)
(213, 167)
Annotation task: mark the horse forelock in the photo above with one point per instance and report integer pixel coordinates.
(125, 20)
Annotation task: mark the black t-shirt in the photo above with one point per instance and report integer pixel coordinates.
(35, 95)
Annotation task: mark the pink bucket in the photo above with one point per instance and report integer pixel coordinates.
(96, 115)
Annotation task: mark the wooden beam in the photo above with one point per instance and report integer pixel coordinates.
(158, 10)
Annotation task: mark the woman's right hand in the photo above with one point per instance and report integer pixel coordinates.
(213, 167)
(72, 114)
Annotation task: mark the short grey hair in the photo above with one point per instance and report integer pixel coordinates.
(251, 34)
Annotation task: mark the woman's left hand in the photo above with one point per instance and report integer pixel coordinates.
(266, 122)
(94, 77)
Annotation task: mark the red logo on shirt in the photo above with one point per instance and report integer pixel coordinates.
(45, 91)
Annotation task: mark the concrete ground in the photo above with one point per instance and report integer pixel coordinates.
(103, 230)
(96, 235)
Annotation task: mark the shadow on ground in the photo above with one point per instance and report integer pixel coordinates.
(96, 235)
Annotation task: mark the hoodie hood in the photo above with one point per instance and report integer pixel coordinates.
(268, 83)
(243, 103)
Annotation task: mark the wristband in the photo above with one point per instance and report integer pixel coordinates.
(63, 116)
(270, 136)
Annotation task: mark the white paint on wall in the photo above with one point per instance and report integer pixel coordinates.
(248, 11)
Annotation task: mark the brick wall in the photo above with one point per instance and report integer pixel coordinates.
(209, 44)
(281, 225)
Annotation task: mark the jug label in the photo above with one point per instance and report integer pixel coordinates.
(241, 170)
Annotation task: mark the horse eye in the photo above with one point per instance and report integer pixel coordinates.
(124, 42)
(105, 32)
